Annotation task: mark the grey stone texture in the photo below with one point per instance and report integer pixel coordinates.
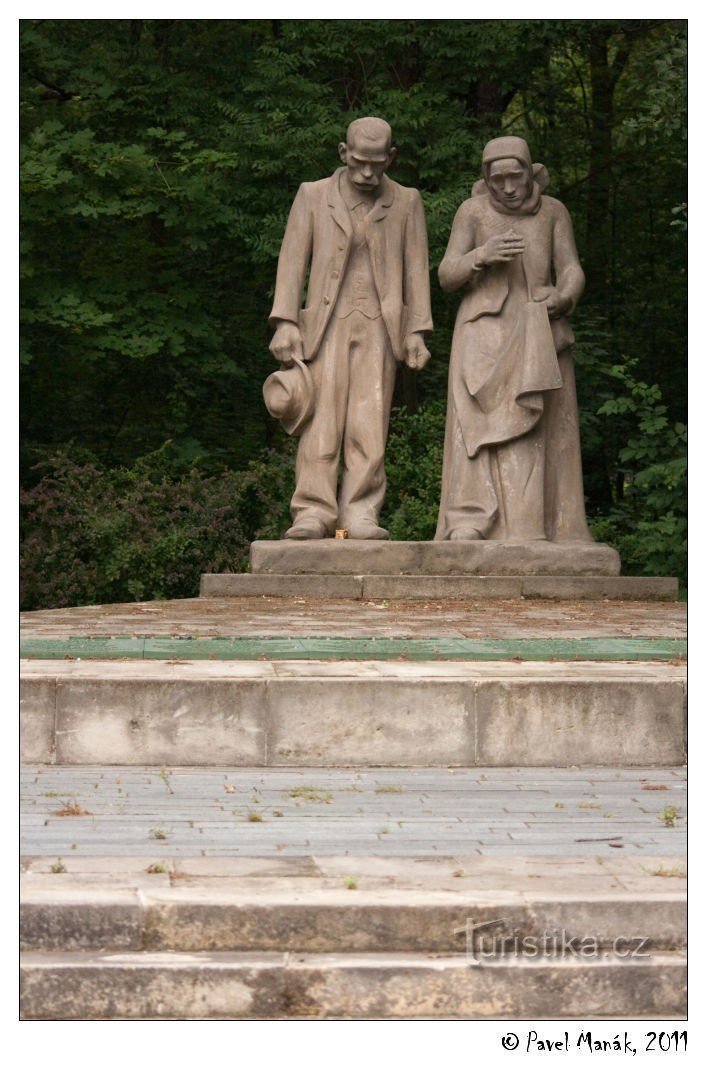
(378, 986)
(331, 722)
(268, 938)
(349, 557)
(642, 719)
(314, 912)
(348, 587)
(37, 719)
(441, 587)
(625, 588)
(475, 814)
(361, 712)
(165, 722)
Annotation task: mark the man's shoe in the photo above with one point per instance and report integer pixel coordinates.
(306, 530)
(466, 534)
(367, 531)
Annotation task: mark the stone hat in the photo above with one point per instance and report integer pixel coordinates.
(289, 396)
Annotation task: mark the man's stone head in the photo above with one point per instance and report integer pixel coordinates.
(367, 152)
(508, 170)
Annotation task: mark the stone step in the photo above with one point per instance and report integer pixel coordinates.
(332, 557)
(287, 911)
(351, 713)
(232, 985)
(431, 937)
(440, 587)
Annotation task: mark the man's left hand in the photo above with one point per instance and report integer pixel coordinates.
(415, 354)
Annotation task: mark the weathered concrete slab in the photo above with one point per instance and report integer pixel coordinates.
(332, 557)
(291, 912)
(169, 722)
(595, 588)
(243, 585)
(641, 721)
(37, 719)
(337, 722)
(452, 587)
(378, 985)
(82, 920)
(360, 713)
(436, 587)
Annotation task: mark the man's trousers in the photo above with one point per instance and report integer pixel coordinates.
(353, 374)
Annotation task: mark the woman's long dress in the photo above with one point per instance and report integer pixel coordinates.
(512, 465)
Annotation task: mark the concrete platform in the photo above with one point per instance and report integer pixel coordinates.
(332, 557)
(255, 887)
(300, 617)
(444, 587)
(322, 713)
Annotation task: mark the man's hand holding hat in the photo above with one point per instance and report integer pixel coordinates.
(286, 345)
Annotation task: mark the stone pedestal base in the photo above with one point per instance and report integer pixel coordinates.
(343, 557)
(442, 587)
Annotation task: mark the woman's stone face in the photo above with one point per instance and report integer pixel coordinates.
(509, 181)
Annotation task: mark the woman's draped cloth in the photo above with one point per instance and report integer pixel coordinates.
(498, 390)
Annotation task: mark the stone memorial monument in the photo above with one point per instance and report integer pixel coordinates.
(362, 239)
(512, 517)
(512, 468)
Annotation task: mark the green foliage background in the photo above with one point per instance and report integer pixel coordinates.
(159, 161)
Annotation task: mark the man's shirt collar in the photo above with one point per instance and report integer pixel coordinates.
(353, 197)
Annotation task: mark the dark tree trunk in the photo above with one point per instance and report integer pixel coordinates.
(604, 74)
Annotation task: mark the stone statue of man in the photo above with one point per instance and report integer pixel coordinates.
(512, 467)
(362, 238)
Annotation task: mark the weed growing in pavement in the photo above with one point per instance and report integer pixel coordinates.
(311, 794)
(669, 816)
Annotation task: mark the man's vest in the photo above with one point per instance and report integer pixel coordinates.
(358, 288)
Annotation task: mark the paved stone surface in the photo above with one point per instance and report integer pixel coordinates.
(188, 813)
(294, 617)
(308, 712)
(331, 557)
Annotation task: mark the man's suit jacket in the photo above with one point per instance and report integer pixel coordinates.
(318, 238)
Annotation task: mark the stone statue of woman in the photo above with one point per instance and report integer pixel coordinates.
(512, 466)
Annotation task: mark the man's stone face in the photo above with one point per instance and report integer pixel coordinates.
(510, 182)
(366, 160)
